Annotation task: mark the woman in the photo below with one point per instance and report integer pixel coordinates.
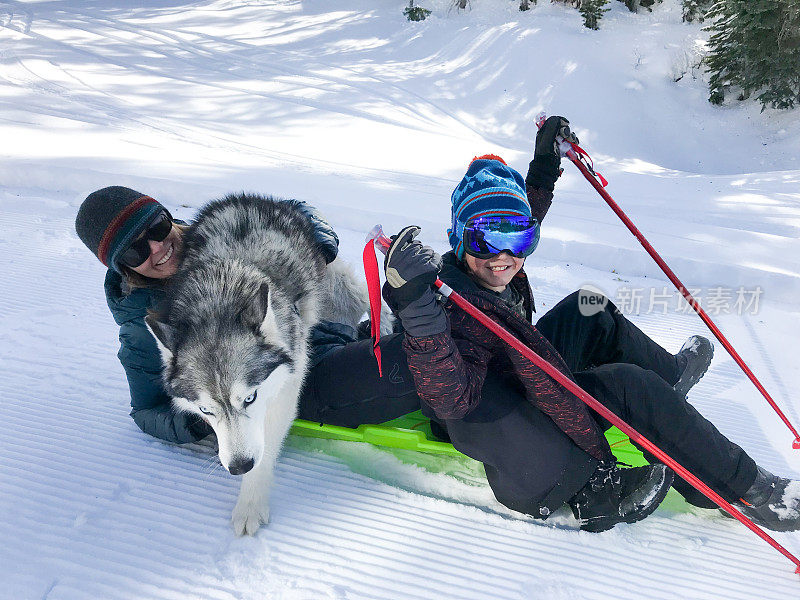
(137, 239)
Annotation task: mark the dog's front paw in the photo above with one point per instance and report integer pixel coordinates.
(249, 516)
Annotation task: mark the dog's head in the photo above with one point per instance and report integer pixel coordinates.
(228, 348)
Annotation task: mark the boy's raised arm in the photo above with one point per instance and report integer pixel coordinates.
(545, 168)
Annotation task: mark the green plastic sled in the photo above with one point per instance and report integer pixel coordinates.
(413, 432)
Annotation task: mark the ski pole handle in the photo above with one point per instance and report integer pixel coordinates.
(382, 242)
(564, 147)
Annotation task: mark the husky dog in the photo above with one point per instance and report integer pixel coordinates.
(233, 331)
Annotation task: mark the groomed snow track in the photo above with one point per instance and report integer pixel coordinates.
(371, 118)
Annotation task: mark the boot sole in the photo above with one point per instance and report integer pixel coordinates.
(598, 524)
(683, 387)
(772, 524)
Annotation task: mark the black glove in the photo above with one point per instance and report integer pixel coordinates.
(324, 235)
(411, 269)
(545, 166)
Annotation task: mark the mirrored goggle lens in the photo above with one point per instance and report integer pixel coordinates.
(488, 236)
(139, 250)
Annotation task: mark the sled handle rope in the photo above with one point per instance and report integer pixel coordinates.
(581, 159)
(377, 239)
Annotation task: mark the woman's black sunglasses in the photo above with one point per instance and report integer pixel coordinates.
(139, 251)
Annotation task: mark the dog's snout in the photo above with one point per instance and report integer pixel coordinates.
(240, 466)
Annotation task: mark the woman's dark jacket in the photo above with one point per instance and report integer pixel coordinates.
(151, 407)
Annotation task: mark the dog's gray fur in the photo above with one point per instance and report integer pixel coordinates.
(236, 320)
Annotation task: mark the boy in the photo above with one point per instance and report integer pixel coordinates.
(540, 444)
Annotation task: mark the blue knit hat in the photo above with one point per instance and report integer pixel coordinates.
(490, 187)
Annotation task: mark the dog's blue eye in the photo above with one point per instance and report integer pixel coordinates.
(205, 411)
(250, 399)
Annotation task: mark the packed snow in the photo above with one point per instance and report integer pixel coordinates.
(790, 501)
(373, 119)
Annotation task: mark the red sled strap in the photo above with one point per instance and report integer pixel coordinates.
(374, 290)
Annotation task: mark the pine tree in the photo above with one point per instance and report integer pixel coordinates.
(755, 47)
(724, 60)
(592, 11)
(695, 10)
(415, 13)
(633, 5)
(783, 88)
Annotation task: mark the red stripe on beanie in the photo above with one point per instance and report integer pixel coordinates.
(503, 192)
(495, 212)
(118, 222)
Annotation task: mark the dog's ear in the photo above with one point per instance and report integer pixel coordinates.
(164, 334)
(256, 312)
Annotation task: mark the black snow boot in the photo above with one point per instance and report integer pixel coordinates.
(615, 495)
(772, 502)
(694, 357)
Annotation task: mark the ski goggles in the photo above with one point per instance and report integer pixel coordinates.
(485, 237)
(139, 250)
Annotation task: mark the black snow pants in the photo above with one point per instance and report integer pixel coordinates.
(614, 361)
(531, 465)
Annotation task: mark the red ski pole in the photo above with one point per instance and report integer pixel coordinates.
(576, 154)
(383, 243)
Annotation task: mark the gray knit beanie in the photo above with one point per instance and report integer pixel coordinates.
(110, 219)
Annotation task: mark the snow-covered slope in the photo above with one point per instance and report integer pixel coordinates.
(373, 119)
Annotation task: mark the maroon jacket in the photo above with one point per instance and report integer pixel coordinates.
(449, 368)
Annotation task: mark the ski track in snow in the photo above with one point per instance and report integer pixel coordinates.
(193, 101)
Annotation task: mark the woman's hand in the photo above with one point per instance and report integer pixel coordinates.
(324, 235)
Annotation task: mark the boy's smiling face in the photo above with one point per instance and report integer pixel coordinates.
(494, 273)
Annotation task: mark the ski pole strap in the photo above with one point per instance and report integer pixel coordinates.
(584, 157)
(374, 290)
